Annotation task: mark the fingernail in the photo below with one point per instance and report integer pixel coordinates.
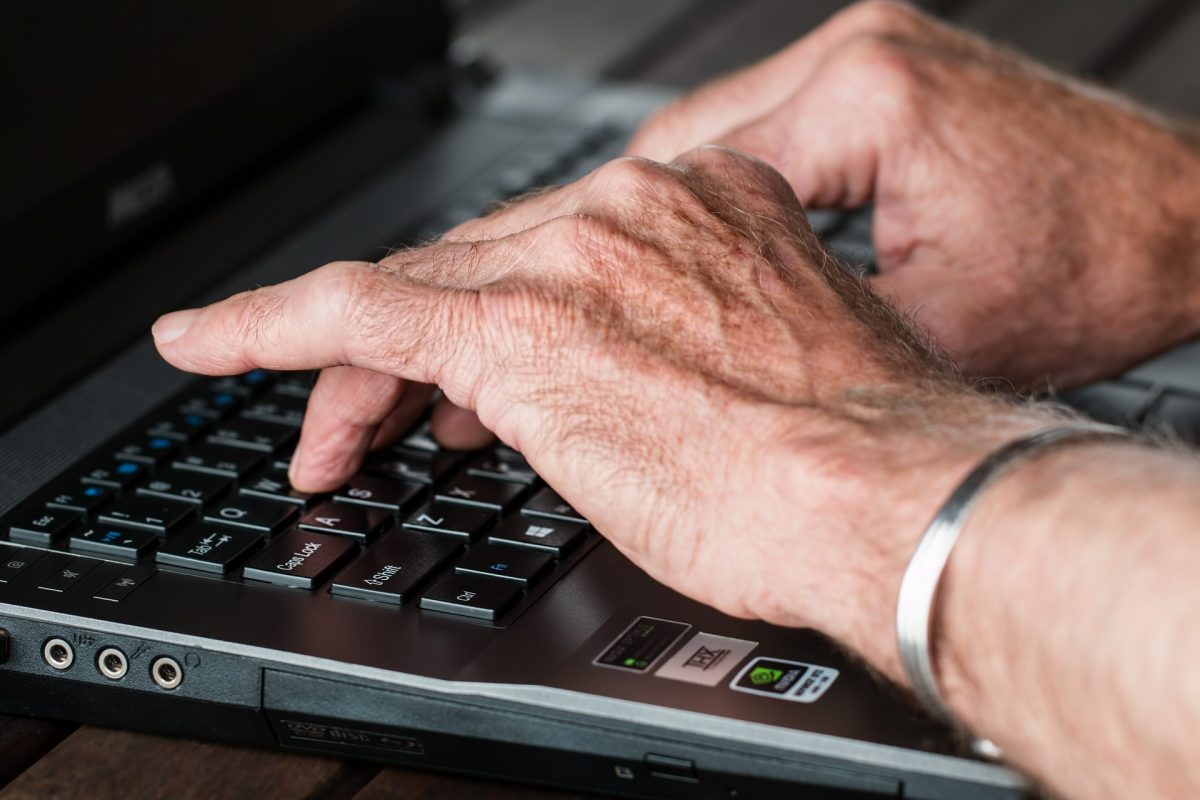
(170, 327)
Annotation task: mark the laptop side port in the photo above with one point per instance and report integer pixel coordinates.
(112, 663)
(58, 653)
(166, 672)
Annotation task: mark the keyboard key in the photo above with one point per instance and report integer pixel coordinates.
(503, 466)
(299, 559)
(184, 486)
(105, 540)
(550, 536)
(475, 491)
(180, 427)
(471, 596)
(122, 585)
(546, 503)
(465, 522)
(421, 439)
(79, 497)
(114, 473)
(245, 385)
(208, 548)
(252, 513)
(277, 408)
(393, 568)
(413, 465)
(294, 384)
(67, 576)
(147, 449)
(253, 434)
(523, 567)
(232, 462)
(210, 405)
(392, 495)
(148, 513)
(42, 526)
(274, 484)
(358, 522)
(15, 560)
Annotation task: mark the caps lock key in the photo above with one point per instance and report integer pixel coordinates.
(299, 558)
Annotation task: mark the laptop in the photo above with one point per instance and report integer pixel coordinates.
(443, 610)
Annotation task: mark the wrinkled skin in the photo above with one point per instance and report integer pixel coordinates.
(1043, 230)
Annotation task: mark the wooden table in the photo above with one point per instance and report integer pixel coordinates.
(1143, 46)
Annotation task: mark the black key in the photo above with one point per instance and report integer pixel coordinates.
(208, 548)
(210, 405)
(523, 567)
(80, 497)
(294, 384)
(180, 427)
(233, 462)
(105, 540)
(147, 449)
(245, 385)
(499, 465)
(15, 560)
(274, 484)
(114, 473)
(299, 558)
(126, 582)
(253, 434)
(470, 596)
(465, 522)
(358, 522)
(413, 465)
(42, 526)
(547, 535)
(475, 491)
(278, 408)
(66, 577)
(188, 487)
(421, 439)
(147, 513)
(251, 513)
(546, 503)
(393, 568)
(379, 492)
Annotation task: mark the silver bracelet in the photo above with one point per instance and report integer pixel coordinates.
(919, 586)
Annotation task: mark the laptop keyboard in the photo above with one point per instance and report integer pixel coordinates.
(200, 486)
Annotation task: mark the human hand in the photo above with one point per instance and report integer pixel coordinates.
(1043, 230)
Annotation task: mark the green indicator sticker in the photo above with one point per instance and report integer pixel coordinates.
(787, 680)
(641, 644)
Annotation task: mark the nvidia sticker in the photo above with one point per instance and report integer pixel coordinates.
(786, 680)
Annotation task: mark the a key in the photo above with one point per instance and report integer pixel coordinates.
(358, 522)
(277, 408)
(105, 540)
(274, 484)
(503, 465)
(465, 522)
(475, 491)
(147, 449)
(233, 462)
(471, 596)
(67, 576)
(414, 465)
(299, 558)
(121, 586)
(80, 497)
(188, 487)
(548, 535)
(42, 526)
(546, 503)
(523, 567)
(180, 427)
(245, 385)
(251, 513)
(393, 568)
(15, 560)
(147, 513)
(266, 437)
(208, 548)
(392, 495)
(114, 473)
(421, 439)
(210, 405)
(294, 384)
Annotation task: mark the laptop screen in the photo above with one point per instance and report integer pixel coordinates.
(118, 112)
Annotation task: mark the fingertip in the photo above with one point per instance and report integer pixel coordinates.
(458, 428)
(170, 327)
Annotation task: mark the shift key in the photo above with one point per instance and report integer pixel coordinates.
(395, 567)
(299, 558)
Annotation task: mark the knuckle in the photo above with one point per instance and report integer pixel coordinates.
(886, 16)
(879, 67)
(258, 311)
(628, 175)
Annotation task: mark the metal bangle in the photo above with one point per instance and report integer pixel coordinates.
(919, 587)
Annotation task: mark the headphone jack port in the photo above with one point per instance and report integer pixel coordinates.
(112, 663)
(58, 653)
(166, 672)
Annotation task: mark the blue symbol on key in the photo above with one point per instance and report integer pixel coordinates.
(111, 536)
(498, 567)
(255, 376)
(194, 420)
(222, 400)
(127, 468)
(93, 491)
(160, 443)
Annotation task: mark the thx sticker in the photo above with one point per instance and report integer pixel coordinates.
(706, 659)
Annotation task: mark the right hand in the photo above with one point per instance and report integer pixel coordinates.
(1043, 230)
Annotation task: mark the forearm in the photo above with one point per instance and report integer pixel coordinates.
(1067, 630)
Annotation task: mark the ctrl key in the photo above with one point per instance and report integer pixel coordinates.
(468, 596)
(299, 558)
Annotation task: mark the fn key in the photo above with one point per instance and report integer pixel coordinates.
(468, 596)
